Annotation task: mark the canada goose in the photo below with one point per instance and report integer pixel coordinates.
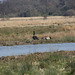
(34, 37)
(46, 38)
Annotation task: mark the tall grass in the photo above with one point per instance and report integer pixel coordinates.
(22, 35)
(55, 63)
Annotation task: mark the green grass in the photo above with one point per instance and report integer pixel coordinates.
(23, 30)
(55, 63)
(23, 35)
(65, 39)
(29, 30)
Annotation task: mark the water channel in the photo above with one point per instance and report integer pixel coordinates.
(27, 49)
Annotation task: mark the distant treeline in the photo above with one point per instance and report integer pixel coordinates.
(28, 8)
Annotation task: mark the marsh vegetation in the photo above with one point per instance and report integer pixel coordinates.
(23, 35)
(51, 63)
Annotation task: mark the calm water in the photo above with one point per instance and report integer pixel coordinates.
(27, 49)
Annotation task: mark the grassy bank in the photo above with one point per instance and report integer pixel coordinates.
(18, 31)
(23, 35)
(51, 63)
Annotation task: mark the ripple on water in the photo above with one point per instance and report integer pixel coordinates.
(27, 49)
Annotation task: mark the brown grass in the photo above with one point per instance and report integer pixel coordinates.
(21, 29)
(37, 21)
(58, 34)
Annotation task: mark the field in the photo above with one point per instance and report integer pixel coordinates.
(20, 30)
(51, 63)
(37, 21)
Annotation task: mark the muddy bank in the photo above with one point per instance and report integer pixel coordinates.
(38, 55)
(11, 43)
(28, 42)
